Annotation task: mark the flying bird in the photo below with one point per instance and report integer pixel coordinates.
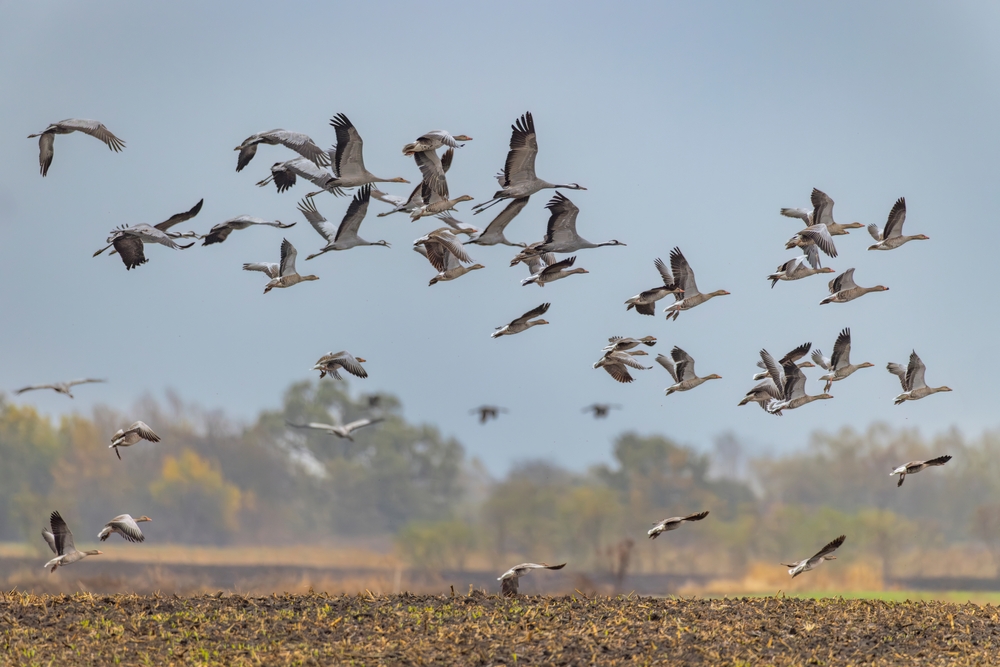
(799, 267)
(59, 387)
(129, 240)
(339, 430)
(508, 580)
(126, 526)
(345, 236)
(844, 289)
(298, 142)
(645, 302)
(221, 231)
(912, 379)
(487, 412)
(680, 365)
(60, 540)
(433, 140)
(522, 323)
(126, 437)
(494, 232)
(683, 277)
(331, 362)
(347, 159)
(601, 410)
(914, 467)
(283, 274)
(891, 236)
(839, 364)
(811, 563)
(673, 523)
(821, 214)
(617, 364)
(619, 344)
(47, 137)
(552, 272)
(285, 174)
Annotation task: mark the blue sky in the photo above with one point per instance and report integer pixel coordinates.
(690, 125)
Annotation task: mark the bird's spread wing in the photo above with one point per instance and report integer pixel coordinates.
(843, 282)
(899, 372)
(683, 273)
(897, 216)
(360, 423)
(178, 218)
(307, 207)
(96, 130)
(128, 527)
(50, 540)
(45, 151)
(841, 350)
(562, 219)
(356, 212)
(684, 364)
(520, 164)
(270, 268)
(288, 254)
(661, 267)
(348, 161)
(820, 235)
(61, 534)
(796, 354)
(433, 172)
(130, 249)
(830, 548)
(144, 431)
(665, 361)
(534, 312)
(822, 208)
(503, 219)
(915, 372)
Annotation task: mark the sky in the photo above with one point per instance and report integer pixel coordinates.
(690, 124)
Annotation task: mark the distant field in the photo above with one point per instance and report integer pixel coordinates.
(487, 630)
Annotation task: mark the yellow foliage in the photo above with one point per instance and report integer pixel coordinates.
(196, 488)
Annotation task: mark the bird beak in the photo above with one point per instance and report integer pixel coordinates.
(361, 360)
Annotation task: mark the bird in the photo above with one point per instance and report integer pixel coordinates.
(434, 140)
(339, 430)
(552, 272)
(821, 213)
(59, 387)
(128, 240)
(522, 323)
(681, 369)
(619, 344)
(330, 362)
(844, 289)
(300, 143)
(437, 206)
(508, 580)
(673, 523)
(839, 364)
(126, 437)
(126, 526)
(795, 569)
(601, 410)
(487, 412)
(345, 236)
(493, 234)
(560, 235)
(457, 225)
(60, 540)
(285, 174)
(438, 254)
(914, 467)
(47, 137)
(416, 198)
(763, 393)
(519, 178)
(221, 231)
(683, 277)
(617, 364)
(793, 356)
(891, 236)
(818, 235)
(793, 388)
(912, 379)
(645, 302)
(799, 267)
(432, 171)
(283, 274)
(347, 159)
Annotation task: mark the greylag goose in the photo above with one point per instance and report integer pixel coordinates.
(839, 364)
(645, 302)
(47, 137)
(673, 523)
(298, 142)
(601, 410)
(683, 277)
(560, 234)
(618, 363)
(681, 369)
(508, 580)
(522, 323)
(552, 272)
(487, 412)
(799, 267)
(821, 213)
(519, 178)
(891, 236)
(912, 379)
(345, 236)
(432, 170)
(126, 526)
(330, 362)
(438, 206)
(493, 234)
(60, 540)
(59, 387)
(285, 174)
(221, 231)
(347, 159)
(434, 140)
(339, 430)
(844, 289)
(764, 394)
(793, 356)
(126, 437)
(128, 240)
(283, 274)
(453, 267)
(797, 568)
(619, 344)
(537, 263)
(416, 198)
(914, 467)
(793, 389)
(818, 235)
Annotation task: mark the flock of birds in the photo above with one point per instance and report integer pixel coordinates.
(336, 171)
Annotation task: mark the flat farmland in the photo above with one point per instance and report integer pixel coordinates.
(478, 629)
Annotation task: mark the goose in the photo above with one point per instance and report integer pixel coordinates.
(128, 241)
(401, 205)
(347, 159)
(126, 526)
(508, 580)
(797, 568)
(839, 364)
(799, 267)
(537, 263)
(437, 206)
(683, 277)
(673, 523)
(645, 302)
(459, 226)
(522, 323)
(519, 178)
(283, 274)
(561, 236)
(818, 235)
(59, 387)
(821, 213)
(432, 171)
(433, 140)
(844, 289)
(914, 467)
(912, 379)
(552, 272)
(339, 430)
(793, 388)
(438, 244)
(892, 235)
(60, 540)
(619, 344)
(793, 356)
(493, 234)
(345, 236)
(763, 393)
(618, 363)
(330, 362)
(601, 410)
(221, 231)
(47, 137)
(126, 437)
(453, 267)
(681, 369)
(487, 412)
(300, 143)
(285, 174)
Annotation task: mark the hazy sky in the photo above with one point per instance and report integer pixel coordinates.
(690, 124)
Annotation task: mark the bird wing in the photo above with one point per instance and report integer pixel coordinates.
(178, 218)
(562, 221)
(939, 461)
(448, 239)
(361, 423)
(218, 233)
(45, 151)
(821, 361)
(73, 383)
(915, 372)
(619, 372)
(315, 426)
(841, 350)
(534, 312)
(683, 273)
(307, 207)
(301, 144)
(829, 548)
(351, 365)
(795, 381)
(812, 256)
(668, 278)
(356, 212)
(95, 129)
(130, 249)
(820, 235)
(348, 161)
(50, 540)
(665, 361)
(796, 354)
(875, 232)
(270, 268)
(899, 372)
(432, 171)
(437, 254)
(499, 223)
(34, 387)
(61, 534)
(247, 152)
(288, 254)
(800, 213)
(389, 199)
(684, 364)
(558, 267)
(520, 163)
(773, 370)
(897, 216)
(695, 517)
(822, 208)
(842, 282)
(128, 527)
(144, 431)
